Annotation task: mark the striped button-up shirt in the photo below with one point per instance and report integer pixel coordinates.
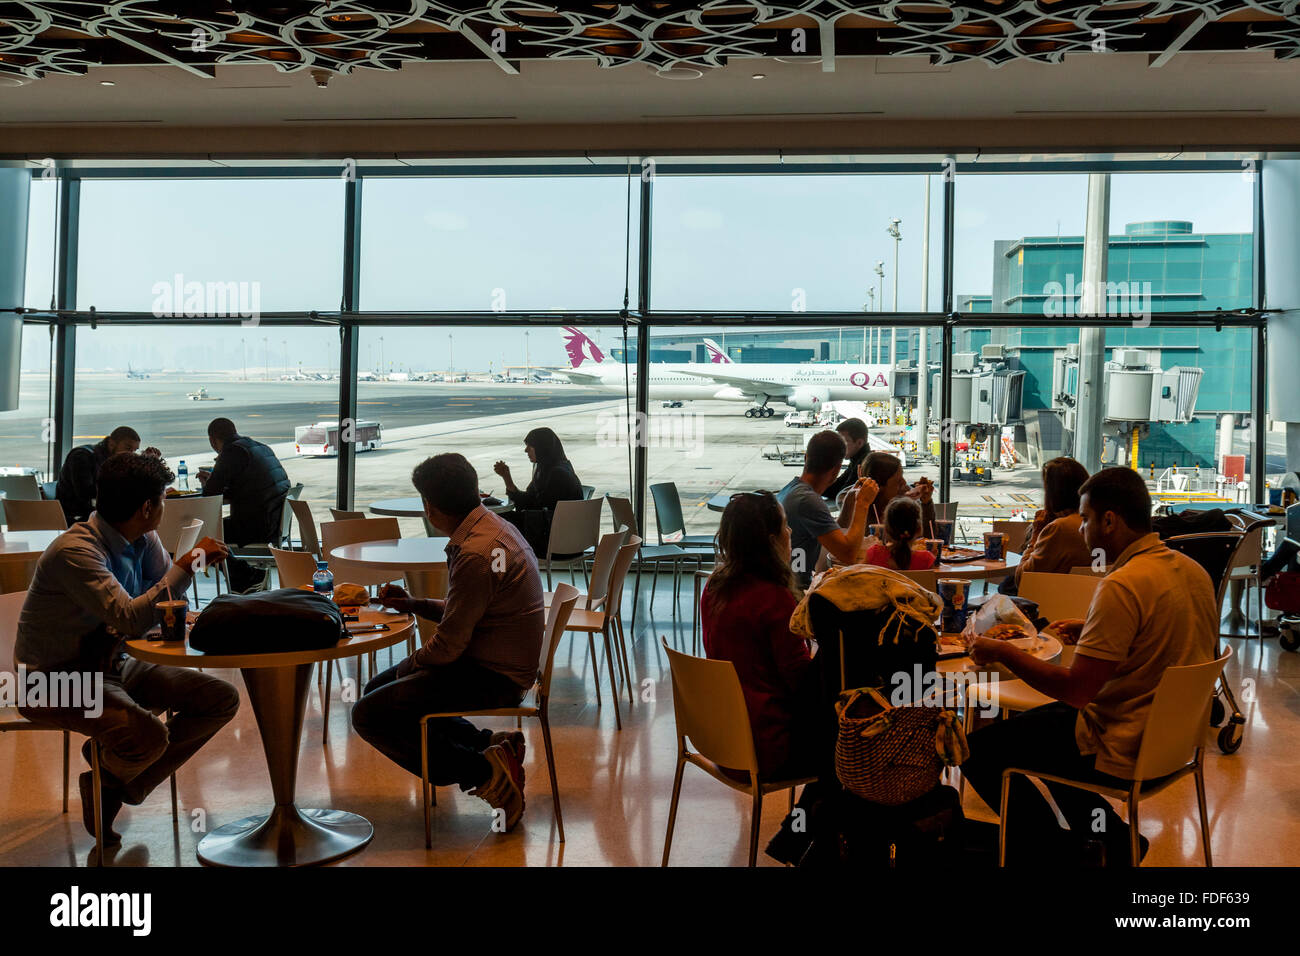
(493, 612)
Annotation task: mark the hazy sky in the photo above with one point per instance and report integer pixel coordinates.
(770, 243)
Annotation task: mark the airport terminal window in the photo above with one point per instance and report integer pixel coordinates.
(807, 243)
(1014, 234)
(25, 432)
(479, 391)
(497, 244)
(42, 216)
(1190, 425)
(182, 247)
(707, 386)
(168, 383)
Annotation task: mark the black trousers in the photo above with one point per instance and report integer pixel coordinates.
(1043, 739)
(388, 718)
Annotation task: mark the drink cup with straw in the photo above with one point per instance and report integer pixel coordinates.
(171, 617)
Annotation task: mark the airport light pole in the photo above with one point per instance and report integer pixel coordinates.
(451, 353)
(923, 343)
(897, 236)
(880, 304)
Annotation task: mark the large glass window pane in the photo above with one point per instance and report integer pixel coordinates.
(1014, 234)
(795, 243)
(705, 439)
(168, 383)
(1180, 443)
(26, 432)
(479, 391)
(182, 247)
(42, 225)
(496, 245)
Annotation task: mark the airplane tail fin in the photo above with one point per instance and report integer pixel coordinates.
(580, 347)
(716, 355)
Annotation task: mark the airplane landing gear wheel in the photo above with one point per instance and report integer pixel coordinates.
(749, 413)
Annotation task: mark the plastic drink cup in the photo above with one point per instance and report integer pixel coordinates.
(171, 618)
(995, 545)
(943, 529)
(953, 592)
(934, 546)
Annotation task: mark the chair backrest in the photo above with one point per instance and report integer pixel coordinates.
(623, 512)
(25, 515)
(1016, 532)
(668, 510)
(557, 617)
(338, 515)
(622, 562)
(602, 566)
(178, 512)
(1089, 570)
(1215, 551)
(294, 568)
(187, 539)
(1251, 551)
(338, 533)
(575, 526)
(588, 491)
(1059, 596)
(294, 492)
(286, 518)
(1179, 717)
(306, 525)
(927, 579)
(10, 606)
(709, 708)
(20, 487)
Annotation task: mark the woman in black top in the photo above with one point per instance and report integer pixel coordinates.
(553, 481)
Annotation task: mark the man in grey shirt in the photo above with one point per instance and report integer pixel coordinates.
(94, 586)
(811, 526)
(483, 654)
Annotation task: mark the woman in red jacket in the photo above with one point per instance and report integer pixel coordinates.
(745, 609)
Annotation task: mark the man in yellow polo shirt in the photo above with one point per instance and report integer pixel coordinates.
(1156, 609)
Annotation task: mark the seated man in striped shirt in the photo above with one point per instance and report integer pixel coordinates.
(483, 654)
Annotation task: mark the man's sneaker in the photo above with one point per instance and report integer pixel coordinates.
(514, 740)
(110, 804)
(502, 790)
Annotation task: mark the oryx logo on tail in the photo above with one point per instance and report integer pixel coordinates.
(580, 347)
(716, 355)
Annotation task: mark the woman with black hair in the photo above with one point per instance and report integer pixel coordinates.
(902, 528)
(553, 481)
(1055, 541)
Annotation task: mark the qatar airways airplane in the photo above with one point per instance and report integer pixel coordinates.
(804, 387)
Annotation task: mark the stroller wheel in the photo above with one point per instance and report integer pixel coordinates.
(1217, 712)
(1231, 736)
(1288, 637)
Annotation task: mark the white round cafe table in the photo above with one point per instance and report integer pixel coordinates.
(19, 551)
(979, 568)
(277, 689)
(402, 554)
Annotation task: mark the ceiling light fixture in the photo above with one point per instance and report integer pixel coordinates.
(759, 76)
(107, 83)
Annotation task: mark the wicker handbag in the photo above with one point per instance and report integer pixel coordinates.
(892, 755)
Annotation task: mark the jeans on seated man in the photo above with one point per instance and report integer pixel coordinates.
(1155, 610)
(483, 653)
(96, 585)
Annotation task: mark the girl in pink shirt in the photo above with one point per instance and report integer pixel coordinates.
(902, 523)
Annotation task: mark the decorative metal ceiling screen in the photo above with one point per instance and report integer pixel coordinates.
(42, 37)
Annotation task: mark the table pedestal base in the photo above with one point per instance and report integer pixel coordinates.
(286, 836)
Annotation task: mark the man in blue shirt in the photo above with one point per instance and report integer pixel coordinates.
(811, 526)
(96, 585)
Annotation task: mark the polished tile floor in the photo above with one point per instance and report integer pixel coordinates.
(615, 786)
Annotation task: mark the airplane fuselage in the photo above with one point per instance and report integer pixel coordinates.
(812, 384)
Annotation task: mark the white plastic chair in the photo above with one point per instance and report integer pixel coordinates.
(556, 619)
(23, 515)
(654, 554)
(186, 539)
(338, 515)
(1059, 596)
(308, 540)
(335, 534)
(180, 512)
(575, 527)
(1016, 532)
(1173, 746)
(709, 709)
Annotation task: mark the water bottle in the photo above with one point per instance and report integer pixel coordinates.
(322, 581)
(183, 474)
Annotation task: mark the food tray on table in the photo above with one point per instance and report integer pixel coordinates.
(953, 555)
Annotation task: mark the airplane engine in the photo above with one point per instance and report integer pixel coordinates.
(806, 399)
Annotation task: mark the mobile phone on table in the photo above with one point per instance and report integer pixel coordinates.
(367, 628)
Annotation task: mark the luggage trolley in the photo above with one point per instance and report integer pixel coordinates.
(1216, 552)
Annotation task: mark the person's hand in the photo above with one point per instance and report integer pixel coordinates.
(204, 554)
(203, 475)
(866, 490)
(151, 452)
(923, 490)
(502, 469)
(1068, 630)
(985, 650)
(392, 596)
